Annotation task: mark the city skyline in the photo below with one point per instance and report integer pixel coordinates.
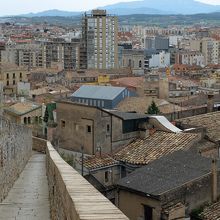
(16, 7)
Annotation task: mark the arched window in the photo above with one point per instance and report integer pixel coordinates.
(129, 63)
(29, 120)
(25, 120)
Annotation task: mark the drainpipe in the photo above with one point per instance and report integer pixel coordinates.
(214, 174)
(82, 168)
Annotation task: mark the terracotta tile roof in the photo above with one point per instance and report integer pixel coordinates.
(128, 81)
(144, 151)
(212, 212)
(206, 145)
(185, 82)
(210, 121)
(96, 162)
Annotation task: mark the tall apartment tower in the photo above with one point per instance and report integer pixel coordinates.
(99, 49)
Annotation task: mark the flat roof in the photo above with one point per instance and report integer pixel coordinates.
(127, 115)
(22, 108)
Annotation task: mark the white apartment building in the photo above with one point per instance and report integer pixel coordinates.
(160, 60)
(190, 58)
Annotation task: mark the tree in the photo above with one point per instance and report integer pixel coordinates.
(153, 109)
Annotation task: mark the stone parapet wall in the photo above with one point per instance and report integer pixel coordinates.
(72, 197)
(39, 144)
(15, 151)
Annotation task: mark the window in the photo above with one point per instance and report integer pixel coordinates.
(13, 82)
(7, 83)
(7, 75)
(76, 127)
(108, 127)
(148, 213)
(20, 75)
(29, 120)
(106, 176)
(89, 129)
(63, 124)
(129, 63)
(25, 120)
(13, 75)
(140, 64)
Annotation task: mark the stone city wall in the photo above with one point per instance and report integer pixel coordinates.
(71, 196)
(39, 144)
(15, 151)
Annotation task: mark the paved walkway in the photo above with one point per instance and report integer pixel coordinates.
(28, 199)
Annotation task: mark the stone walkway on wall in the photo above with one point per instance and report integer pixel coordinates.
(29, 197)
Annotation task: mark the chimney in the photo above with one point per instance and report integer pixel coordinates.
(144, 133)
(210, 103)
(214, 174)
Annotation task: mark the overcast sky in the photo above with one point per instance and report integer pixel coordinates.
(13, 7)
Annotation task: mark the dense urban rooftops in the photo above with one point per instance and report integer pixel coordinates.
(167, 173)
(144, 151)
(210, 121)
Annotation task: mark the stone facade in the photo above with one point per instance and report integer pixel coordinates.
(91, 127)
(15, 151)
(192, 195)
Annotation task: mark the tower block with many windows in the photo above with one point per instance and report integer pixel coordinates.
(99, 41)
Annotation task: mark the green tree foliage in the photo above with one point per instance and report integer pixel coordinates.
(153, 109)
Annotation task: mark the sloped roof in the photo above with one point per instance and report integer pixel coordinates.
(129, 81)
(210, 121)
(98, 92)
(144, 151)
(211, 212)
(140, 105)
(167, 173)
(95, 162)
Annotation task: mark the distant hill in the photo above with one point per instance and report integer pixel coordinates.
(52, 13)
(163, 7)
(134, 19)
(131, 11)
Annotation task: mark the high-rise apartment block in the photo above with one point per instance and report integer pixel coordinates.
(62, 53)
(43, 54)
(157, 43)
(99, 48)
